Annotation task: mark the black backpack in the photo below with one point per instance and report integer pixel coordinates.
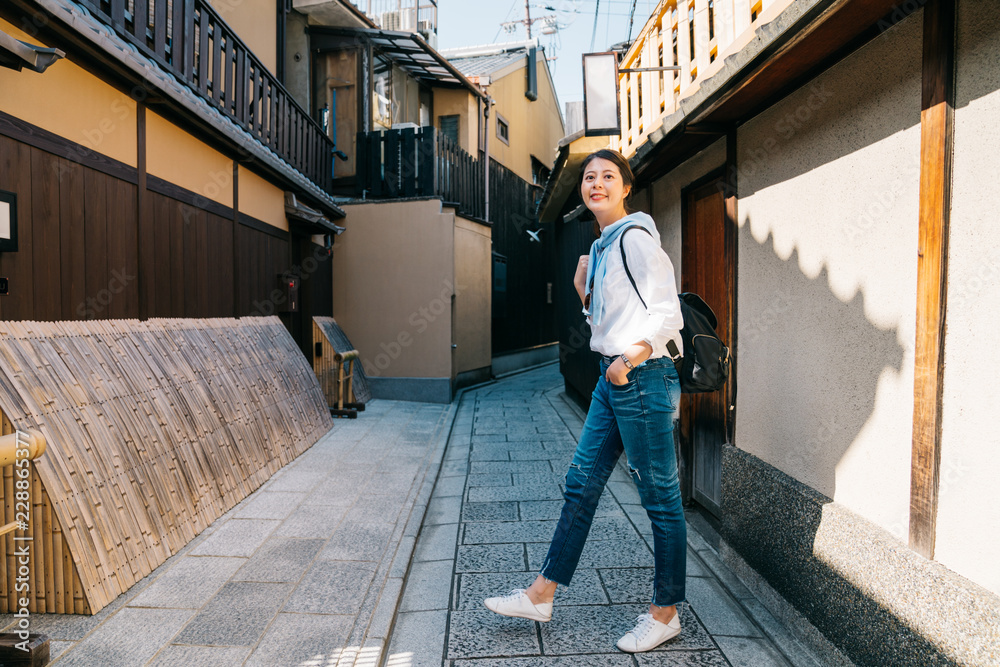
(705, 364)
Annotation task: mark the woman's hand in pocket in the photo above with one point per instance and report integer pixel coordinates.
(617, 373)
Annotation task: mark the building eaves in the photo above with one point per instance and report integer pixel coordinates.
(154, 77)
(406, 49)
(804, 39)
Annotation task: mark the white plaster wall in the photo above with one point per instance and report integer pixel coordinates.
(665, 205)
(968, 524)
(828, 183)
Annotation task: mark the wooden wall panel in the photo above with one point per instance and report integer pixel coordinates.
(154, 430)
(15, 176)
(72, 252)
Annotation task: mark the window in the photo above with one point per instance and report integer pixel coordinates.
(711, 19)
(449, 127)
(691, 29)
(539, 172)
(755, 11)
(503, 130)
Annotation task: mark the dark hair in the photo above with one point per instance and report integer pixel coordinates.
(628, 178)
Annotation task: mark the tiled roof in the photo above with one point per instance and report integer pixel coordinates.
(487, 64)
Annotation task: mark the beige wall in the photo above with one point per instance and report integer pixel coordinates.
(256, 23)
(968, 538)
(452, 101)
(72, 103)
(261, 200)
(393, 281)
(174, 155)
(535, 127)
(473, 295)
(828, 185)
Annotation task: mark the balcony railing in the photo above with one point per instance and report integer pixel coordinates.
(407, 15)
(189, 39)
(414, 162)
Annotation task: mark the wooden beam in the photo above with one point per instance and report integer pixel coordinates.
(731, 195)
(936, 134)
(144, 253)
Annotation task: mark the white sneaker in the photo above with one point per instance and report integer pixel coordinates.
(518, 604)
(649, 633)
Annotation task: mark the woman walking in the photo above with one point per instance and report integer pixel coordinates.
(634, 312)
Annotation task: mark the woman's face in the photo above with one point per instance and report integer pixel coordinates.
(603, 190)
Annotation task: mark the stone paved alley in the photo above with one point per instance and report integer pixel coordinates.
(389, 532)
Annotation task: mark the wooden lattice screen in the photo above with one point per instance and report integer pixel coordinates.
(154, 430)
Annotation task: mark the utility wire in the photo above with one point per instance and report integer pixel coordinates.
(593, 36)
(631, 14)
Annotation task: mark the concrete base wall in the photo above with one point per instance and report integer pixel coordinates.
(871, 596)
(421, 390)
(516, 361)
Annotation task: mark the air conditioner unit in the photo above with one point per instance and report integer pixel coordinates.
(391, 21)
(426, 27)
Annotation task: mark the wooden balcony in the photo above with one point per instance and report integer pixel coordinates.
(415, 162)
(189, 39)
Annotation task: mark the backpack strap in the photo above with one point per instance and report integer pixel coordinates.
(675, 354)
(621, 245)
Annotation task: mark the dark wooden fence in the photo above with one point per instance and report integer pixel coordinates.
(523, 316)
(190, 40)
(418, 162)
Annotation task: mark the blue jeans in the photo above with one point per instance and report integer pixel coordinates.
(637, 418)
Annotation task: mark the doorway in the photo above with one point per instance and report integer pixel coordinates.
(707, 269)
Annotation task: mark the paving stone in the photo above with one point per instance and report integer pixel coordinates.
(474, 634)
(490, 479)
(599, 660)
(625, 493)
(385, 609)
(436, 542)
(270, 505)
(449, 486)
(546, 478)
(490, 494)
(586, 588)
(789, 646)
(746, 652)
(491, 558)
(57, 648)
(551, 509)
(508, 466)
(280, 559)
(631, 552)
(428, 586)
(453, 467)
(725, 575)
(391, 484)
(189, 583)
(418, 639)
(236, 615)
(236, 537)
(443, 510)
(560, 459)
(130, 637)
(637, 513)
(375, 509)
(299, 479)
(404, 552)
(684, 659)
(479, 438)
(495, 511)
(596, 629)
(301, 639)
(334, 491)
(498, 532)
(317, 521)
(632, 584)
(174, 655)
(332, 587)
(719, 612)
(358, 541)
(493, 451)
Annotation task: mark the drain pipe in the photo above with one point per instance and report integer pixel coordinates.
(486, 158)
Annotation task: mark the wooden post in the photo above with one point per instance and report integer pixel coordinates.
(936, 134)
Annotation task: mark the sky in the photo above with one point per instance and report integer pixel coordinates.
(475, 22)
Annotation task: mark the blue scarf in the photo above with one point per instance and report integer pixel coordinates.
(599, 260)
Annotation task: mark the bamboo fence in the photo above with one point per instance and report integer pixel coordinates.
(154, 430)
